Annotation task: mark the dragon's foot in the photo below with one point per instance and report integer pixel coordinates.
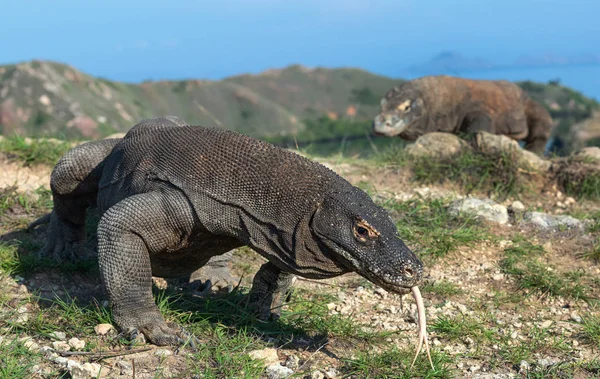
(161, 333)
(214, 277)
(64, 241)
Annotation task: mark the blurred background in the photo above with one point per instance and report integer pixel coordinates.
(308, 73)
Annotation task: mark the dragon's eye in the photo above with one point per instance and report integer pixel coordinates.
(363, 231)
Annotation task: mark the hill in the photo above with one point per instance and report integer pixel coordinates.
(49, 99)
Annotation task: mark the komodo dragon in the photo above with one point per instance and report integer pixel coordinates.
(456, 105)
(171, 196)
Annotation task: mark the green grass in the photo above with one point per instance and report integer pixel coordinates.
(460, 326)
(496, 174)
(442, 288)
(38, 151)
(591, 329)
(522, 262)
(580, 180)
(395, 363)
(16, 360)
(20, 258)
(429, 225)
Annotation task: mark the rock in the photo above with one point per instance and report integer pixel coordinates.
(292, 362)
(125, 367)
(76, 343)
(268, 355)
(163, 352)
(317, 375)
(501, 144)
(524, 367)
(546, 221)
(103, 329)
(591, 153)
(575, 317)
(277, 371)
(331, 373)
(30, 344)
(486, 209)
(61, 346)
(437, 145)
(531, 161)
(59, 336)
(83, 371)
(516, 207)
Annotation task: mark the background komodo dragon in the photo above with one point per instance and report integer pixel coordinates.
(457, 105)
(172, 196)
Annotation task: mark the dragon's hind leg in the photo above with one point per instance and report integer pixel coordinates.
(74, 183)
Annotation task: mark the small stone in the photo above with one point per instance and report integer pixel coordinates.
(30, 344)
(486, 209)
(61, 346)
(546, 324)
(575, 343)
(268, 355)
(498, 277)
(292, 362)
(59, 336)
(514, 335)
(331, 306)
(103, 329)
(125, 367)
(163, 352)
(76, 343)
(331, 373)
(474, 368)
(84, 371)
(575, 317)
(62, 361)
(545, 362)
(523, 367)
(277, 371)
(317, 375)
(517, 206)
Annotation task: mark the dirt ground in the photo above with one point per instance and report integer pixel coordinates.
(483, 320)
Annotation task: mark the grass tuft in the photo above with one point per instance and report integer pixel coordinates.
(430, 225)
(35, 151)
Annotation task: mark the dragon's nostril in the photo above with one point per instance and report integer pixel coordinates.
(408, 272)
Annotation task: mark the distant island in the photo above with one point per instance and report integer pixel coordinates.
(453, 63)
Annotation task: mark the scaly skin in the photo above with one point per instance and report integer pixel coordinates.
(172, 197)
(457, 105)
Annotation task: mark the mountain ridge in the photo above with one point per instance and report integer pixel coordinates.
(51, 99)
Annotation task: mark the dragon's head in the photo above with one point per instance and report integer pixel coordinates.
(364, 238)
(402, 114)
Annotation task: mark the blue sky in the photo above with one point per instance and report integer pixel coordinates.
(136, 40)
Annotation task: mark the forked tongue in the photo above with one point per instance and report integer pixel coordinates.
(422, 327)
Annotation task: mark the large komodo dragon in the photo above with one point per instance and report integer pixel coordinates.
(456, 105)
(172, 196)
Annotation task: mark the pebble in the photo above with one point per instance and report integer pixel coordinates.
(292, 362)
(103, 329)
(317, 375)
(523, 367)
(575, 317)
(163, 352)
(125, 367)
(61, 346)
(268, 355)
(59, 336)
(277, 371)
(76, 343)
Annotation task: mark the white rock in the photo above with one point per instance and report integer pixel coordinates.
(84, 371)
(317, 375)
(268, 355)
(59, 336)
(517, 206)
(76, 343)
(486, 209)
(163, 352)
(277, 371)
(546, 221)
(103, 329)
(61, 346)
(292, 362)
